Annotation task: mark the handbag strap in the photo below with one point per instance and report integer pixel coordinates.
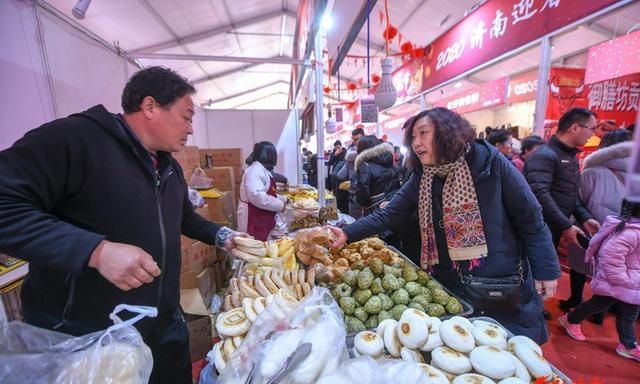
(520, 270)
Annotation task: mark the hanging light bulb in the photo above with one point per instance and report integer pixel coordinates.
(331, 125)
(386, 93)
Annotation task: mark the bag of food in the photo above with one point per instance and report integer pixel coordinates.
(29, 354)
(200, 180)
(316, 321)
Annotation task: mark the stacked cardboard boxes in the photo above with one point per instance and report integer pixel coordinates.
(225, 157)
(189, 159)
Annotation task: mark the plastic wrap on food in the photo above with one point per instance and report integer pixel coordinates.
(316, 320)
(117, 355)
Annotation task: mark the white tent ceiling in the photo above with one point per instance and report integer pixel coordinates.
(265, 29)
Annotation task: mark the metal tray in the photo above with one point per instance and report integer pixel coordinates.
(467, 308)
(555, 370)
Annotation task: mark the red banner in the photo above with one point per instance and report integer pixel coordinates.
(614, 58)
(483, 96)
(497, 27)
(616, 99)
(566, 91)
(522, 87)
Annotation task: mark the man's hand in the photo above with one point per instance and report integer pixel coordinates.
(341, 237)
(546, 289)
(125, 266)
(229, 244)
(591, 226)
(571, 234)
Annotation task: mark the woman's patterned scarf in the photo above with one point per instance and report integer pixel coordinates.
(461, 220)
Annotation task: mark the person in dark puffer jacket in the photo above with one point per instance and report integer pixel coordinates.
(375, 173)
(554, 176)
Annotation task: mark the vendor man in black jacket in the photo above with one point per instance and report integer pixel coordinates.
(96, 203)
(553, 173)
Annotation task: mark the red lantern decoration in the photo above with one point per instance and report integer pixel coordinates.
(406, 47)
(375, 79)
(352, 86)
(326, 89)
(390, 32)
(418, 53)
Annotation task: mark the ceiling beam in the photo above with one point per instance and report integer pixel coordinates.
(606, 32)
(259, 98)
(352, 34)
(214, 31)
(227, 73)
(229, 97)
(233, 59)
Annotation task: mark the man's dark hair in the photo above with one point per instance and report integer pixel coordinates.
(357, 131)
(574, 116)
(499, 136)
(367, 142)
(615, 137)
(265, 153)
(337, 142)
(396, 148)
(163, 84)
(452, 134)
(530, 142)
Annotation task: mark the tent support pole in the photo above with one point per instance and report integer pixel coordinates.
(543, 89)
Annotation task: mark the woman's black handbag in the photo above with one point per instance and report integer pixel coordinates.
(499, 295)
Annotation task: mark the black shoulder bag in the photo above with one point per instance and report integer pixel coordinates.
(493, 294)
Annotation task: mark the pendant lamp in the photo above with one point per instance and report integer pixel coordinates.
(331, 125)
(386, 92)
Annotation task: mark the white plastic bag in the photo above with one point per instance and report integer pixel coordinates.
(29, 354)
(200, 180)
(319, 319)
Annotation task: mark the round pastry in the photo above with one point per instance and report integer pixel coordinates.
(233, 323)
(435, 324)
(449, 376)
(411, 356)
(535, 363)
(523, 339)
(391, 341)
(369, 343)
(521, 371)
(405, 372)
(434, 375)
(383, 324)
(450, 360)
(496, 327)
(434, 341)
(492, 362)
(413, 328)
(248, 242)
(485, 335)
(513, 380)
(462, 321)
(472, 378)
(457, 336)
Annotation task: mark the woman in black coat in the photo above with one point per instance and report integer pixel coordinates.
(478, 218)
(375, 174)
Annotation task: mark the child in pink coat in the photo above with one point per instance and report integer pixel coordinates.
(615, 251)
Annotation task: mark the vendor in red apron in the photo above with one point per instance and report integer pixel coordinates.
(259, 202)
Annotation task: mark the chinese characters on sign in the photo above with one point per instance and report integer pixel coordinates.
(463, 101)
(482, 96)
(614, 95)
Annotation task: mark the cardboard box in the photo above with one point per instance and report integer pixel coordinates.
(188, 158)
(200, 336)
(237, 173)
(197, 256)
(223, 178)
(222, 208)
(222, 156)
(196, 290)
